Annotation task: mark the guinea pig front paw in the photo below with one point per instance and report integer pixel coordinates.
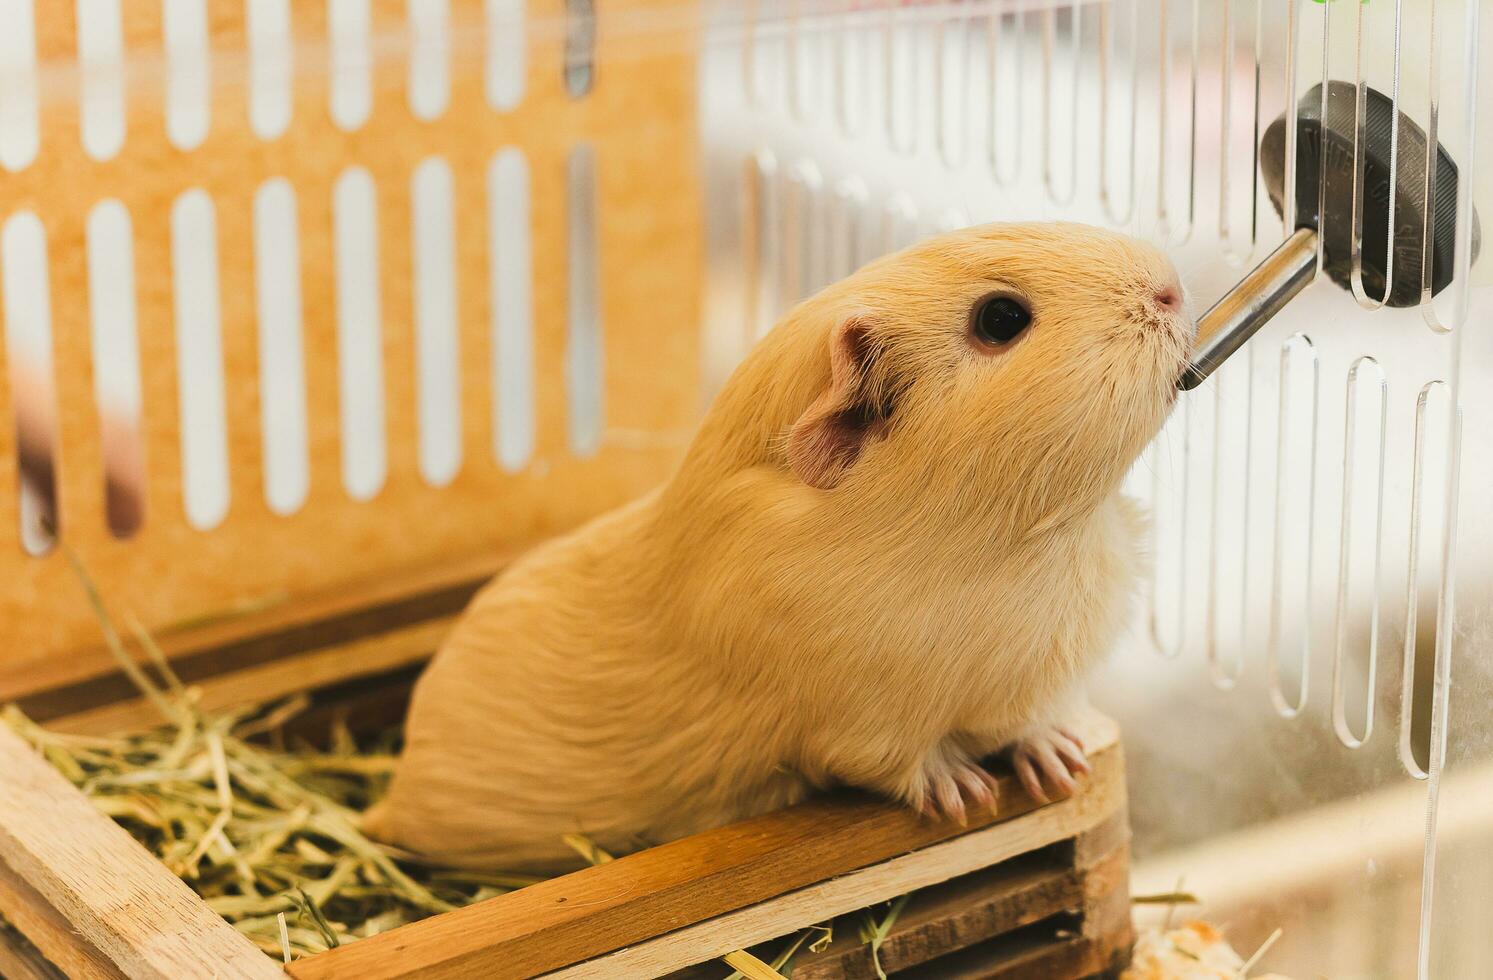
(948, 785)
(1049, 757)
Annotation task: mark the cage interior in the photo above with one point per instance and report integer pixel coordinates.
(301, 295)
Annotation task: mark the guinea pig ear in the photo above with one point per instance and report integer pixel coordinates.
(828, 438)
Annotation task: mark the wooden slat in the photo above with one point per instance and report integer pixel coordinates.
(1034, 955)
(956, 914)
(1088, 874)
(49, 933)
(91, 898)
(1096, 945)
(1043, 951)
(21, 960)
(279, 678)
(260, 637)
(878, 883)
(754, 880)
(978, 907)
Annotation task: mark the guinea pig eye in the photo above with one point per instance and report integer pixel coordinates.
(998, 320)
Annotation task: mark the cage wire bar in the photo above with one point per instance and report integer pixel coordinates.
(1308, 555)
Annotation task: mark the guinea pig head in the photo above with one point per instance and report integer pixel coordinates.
(1020, 367)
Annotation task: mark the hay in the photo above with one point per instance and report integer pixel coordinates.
(266, 834)
(1193, 951)
(257, 831)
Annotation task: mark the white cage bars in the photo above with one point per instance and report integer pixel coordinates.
(1305, 499)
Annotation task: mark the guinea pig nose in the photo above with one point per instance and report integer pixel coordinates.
(1169, 298)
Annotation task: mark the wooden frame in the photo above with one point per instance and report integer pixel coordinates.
(96, 904)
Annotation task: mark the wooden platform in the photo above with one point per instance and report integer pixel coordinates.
(1022, 891)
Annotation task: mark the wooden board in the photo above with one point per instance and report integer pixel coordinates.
(45, 928)
(380, 654)
(640, 119)
(94, 901)
(950, 916)
(657, 911)
(692, 899)
(21, 960)
(1063, 880)
(1043, 951)
(259, 636)
(294, 645)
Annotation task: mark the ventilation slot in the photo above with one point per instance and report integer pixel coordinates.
(282, 373)
(1289, 649)
(806, 45)
(1171, 502)
(101, 57)
(853, 41)
(437, 350)
(19, 132)
(1006, 59)
(116, 364)
(270, 66)
(188, 78)
(584, 312)
(1229, 554)
(1356, 647)
(199, 359)
(1060, 107)
(899, 223)
(951, 76)
(761, 242)
(848, 247)
(506, 46)
(580, 47)
(360, 358)
(28, 348)
(430, 55)
(351, 85)
(1433, 466)
(803, 232)
(512, 308)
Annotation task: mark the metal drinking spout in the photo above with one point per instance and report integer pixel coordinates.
(1348, 153)
(1250, 305)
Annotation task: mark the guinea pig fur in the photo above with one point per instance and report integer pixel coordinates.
(892, 549)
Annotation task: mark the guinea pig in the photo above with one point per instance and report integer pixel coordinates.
(892, 549)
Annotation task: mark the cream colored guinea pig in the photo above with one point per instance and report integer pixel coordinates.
(893, 548)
